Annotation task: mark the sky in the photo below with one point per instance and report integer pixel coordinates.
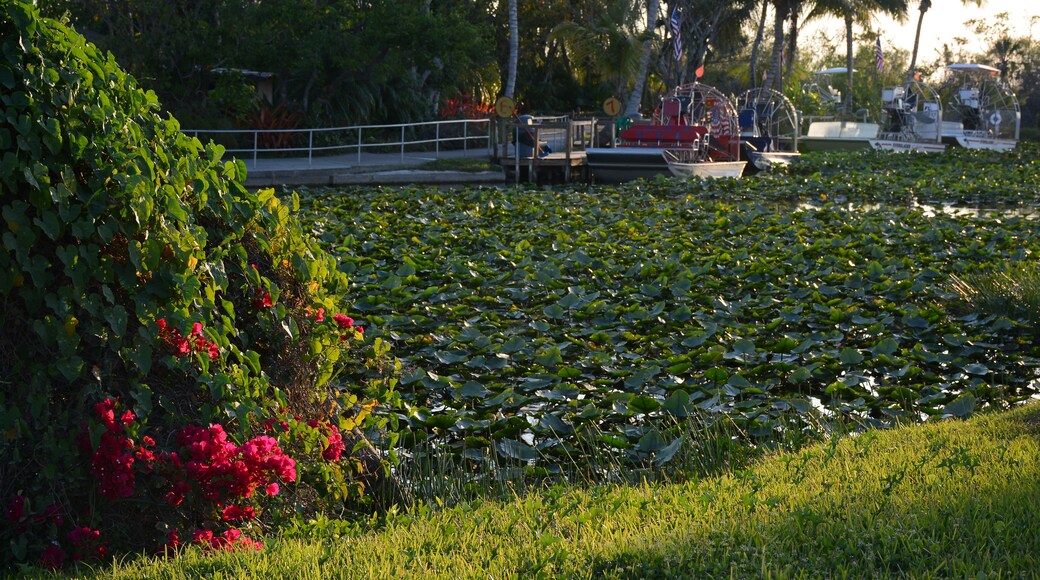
(944, 21)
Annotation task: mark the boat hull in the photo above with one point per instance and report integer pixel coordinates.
(621, 164)
(985, 143)
(918, 146)
(823, 144)
(707, 168)
(766, 160)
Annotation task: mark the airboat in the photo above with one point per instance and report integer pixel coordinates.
(692, 132)
(831, 131)
(983, 112)
(768, 124)
(911, 119)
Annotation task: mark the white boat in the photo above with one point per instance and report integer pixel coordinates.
(682, 164)
(695, 121)
(831, 131)
(984, 112)
(768, 125)
(912, 119)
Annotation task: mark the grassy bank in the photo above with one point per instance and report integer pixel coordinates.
(955, 498)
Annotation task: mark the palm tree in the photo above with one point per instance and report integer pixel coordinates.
(514, 50)
(782, 10)
(756, 44)
(924, 6)
(857, 11)
(636, 98)
(611, 45)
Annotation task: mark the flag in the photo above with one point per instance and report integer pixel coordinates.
(879, 57)
(677, 33)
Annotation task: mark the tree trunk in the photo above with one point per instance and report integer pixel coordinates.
(848, 62)
(773, 80)
(757, 44)
(514, 50)
(925, 5)
(792, 44)
(636, 98)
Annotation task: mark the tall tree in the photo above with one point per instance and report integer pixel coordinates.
(514, 50)
(608, 46)
(923, 7)
(782, 11)
(757, 44)
(706, 23)
(857, 12)
(635, 99)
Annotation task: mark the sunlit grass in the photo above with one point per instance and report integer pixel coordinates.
(468, 164)
(943, 499)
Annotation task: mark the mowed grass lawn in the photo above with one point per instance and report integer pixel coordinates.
(944, 499)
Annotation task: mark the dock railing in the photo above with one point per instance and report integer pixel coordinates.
(432, 136)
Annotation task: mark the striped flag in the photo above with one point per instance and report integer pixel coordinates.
(676, 24)
(879, 57)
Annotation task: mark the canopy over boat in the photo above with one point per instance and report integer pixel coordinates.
(971, 67)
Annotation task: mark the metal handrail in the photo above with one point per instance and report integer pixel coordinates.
(359, 145)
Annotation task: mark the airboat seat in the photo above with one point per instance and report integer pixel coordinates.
(664, 135)
(746, 120)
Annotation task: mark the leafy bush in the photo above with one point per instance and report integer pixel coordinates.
(159, 323)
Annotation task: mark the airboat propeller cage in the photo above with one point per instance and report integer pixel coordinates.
(704, 105)
(764, 113)
(983, 104)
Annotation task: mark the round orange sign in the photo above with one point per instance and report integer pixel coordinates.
(612, 106)
(504, 107)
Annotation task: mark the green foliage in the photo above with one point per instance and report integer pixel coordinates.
(522, 316)
(337, 63)
(113, 220)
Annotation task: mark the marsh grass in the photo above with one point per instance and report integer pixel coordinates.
(943, 499)
(700, 445)
(1012, 291)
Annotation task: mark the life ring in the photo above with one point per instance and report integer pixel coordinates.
(995, 119)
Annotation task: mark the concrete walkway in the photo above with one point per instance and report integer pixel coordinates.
(370, 169)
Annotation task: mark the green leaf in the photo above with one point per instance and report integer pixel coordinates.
(850, 356)
(962, 407)
(512, 449)
(666, 453)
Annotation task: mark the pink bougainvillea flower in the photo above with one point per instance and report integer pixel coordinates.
(320, 315)
(196, 329)
(127, 417)
(343, 320)
(273, 489)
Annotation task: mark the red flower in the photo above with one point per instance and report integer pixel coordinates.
(334, 447)
(53, 557)
(273, 489)
(127, 417)
(263, 300)
(16, 508)
(196, 329)
(343, 320)
(320, 316)
(234, 513)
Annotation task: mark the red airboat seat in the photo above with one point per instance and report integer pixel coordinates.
(663, 135)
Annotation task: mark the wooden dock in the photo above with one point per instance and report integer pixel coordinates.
(568, 140)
